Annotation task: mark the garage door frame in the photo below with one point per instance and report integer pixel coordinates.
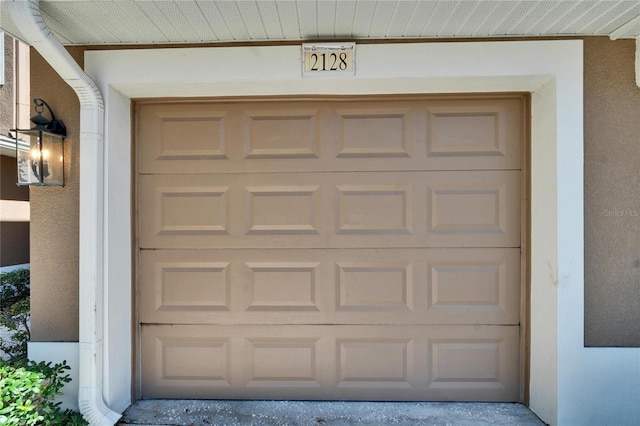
(552, 71)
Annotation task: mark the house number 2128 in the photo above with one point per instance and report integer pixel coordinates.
(326, 60)
(329, 61)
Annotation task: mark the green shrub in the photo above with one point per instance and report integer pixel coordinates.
(27, 389)
(14, 313)
(27, 395)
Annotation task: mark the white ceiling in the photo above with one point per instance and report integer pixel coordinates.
(82, 22)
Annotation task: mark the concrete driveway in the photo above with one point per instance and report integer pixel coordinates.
(314, 413)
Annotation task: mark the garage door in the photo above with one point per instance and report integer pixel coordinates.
(330, 249)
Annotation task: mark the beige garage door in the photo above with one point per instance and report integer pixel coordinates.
(330, 249)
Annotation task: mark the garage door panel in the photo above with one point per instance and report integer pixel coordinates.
(460, 365)
(345, 286)
(375, 286)
(183, 210)
(474, 208)
(281, 286)
(195, 286)
(488, 130)
(374, 209)
(367, 132)
(332, 362)
(281, 133)
(282, 210)
(182, 135)
(266, 356)
(332, 210)
(187, 359)
(227, 137)
(379, 362)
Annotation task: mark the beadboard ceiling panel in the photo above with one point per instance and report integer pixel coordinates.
(85, 22)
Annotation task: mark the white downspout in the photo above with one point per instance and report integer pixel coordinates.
(26, 16)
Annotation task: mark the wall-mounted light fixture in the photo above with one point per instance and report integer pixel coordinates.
(40, 150)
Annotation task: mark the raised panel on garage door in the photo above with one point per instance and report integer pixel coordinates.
(359, 249)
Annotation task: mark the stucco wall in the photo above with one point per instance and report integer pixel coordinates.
(612, 160)
(7, 90)
(612, 198)
(54, 221)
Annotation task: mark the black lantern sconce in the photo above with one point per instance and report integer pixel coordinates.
(40, 150)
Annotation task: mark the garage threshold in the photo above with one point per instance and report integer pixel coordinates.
(164, 412)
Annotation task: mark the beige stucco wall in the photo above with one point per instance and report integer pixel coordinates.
(612, 195)
(54, 221)
(612, 162)
(7, 89)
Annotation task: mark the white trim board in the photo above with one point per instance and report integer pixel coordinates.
(569, 384)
